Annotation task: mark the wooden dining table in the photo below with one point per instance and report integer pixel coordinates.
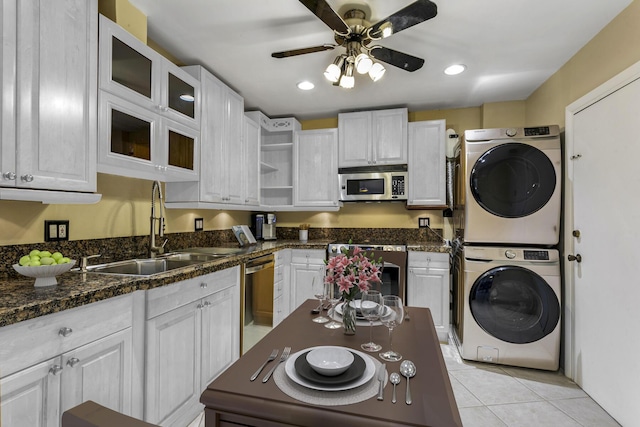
(233, 400)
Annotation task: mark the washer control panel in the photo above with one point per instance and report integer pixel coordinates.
(540, 255)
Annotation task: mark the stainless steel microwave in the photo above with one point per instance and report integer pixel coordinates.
(358, 185)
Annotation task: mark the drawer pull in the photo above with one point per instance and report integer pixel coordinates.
(73, 362)
(55, 369)
(65, 332)
(203, 285)
(207, 304)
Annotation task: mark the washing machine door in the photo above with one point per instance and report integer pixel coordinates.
(514, 304)
(513, 180)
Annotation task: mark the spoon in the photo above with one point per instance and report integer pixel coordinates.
(395, 379)
(408, 369)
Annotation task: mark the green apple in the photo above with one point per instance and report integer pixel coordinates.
(45, 254)
(34, 258)
(47, 260)
(25, 260)
(64, 260)
(35, 262)
(57, 256)
(34, 252)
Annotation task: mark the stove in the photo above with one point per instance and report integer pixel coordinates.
(394, 257)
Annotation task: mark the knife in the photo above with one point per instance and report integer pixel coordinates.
(382, 375)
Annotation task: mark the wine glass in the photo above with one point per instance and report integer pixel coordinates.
(320, 292)
(392, 316)
(334, 299)
(370, 307)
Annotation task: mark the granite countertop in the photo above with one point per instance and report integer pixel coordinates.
(20, 300)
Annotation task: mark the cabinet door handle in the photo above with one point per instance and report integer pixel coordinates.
(55, 369)
(27, 178)
(203, 285)
(73, 362)
(65, 332)
(207, 304)
(11, 176)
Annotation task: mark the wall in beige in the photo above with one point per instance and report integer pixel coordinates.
(612, 50)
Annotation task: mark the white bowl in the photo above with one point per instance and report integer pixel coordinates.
(330, 361)
(45, 275)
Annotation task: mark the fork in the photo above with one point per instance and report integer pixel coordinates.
(272, 356)
(283, 357)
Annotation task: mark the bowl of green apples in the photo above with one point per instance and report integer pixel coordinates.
(44, 266)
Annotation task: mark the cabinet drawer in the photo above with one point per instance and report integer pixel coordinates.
(167, 298)
(311, 256)
(27, 343)
(428, 260)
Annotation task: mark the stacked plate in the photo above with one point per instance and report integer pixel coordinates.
(300, 371)
(356, 304)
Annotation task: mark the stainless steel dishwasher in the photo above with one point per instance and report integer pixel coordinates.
(257, 300)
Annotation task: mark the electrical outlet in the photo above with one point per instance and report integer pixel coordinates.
(199, 224)
(423, 222)
(55, 231)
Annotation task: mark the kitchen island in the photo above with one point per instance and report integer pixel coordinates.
(234, 400)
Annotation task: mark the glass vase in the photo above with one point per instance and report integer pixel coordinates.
(349, 318)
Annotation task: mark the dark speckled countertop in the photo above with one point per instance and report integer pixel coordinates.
(20, 300)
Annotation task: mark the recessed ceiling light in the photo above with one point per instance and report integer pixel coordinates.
(454, 69)
(306, 85)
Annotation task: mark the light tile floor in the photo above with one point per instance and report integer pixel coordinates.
(503, 396)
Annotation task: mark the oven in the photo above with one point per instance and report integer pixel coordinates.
(394, 258)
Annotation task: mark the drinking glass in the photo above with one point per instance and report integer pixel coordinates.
(370, 307)
(319, 291)
(392, 316)
(334, 299)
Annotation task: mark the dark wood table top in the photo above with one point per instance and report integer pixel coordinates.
(232, 397)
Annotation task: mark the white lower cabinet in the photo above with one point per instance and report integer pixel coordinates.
(192, 335)
(307, 266)
(428, 286)
(54, 362)
(281, 286)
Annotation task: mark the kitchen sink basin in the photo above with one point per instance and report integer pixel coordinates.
(151, 266)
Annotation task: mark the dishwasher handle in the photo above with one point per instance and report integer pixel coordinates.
(256, 264)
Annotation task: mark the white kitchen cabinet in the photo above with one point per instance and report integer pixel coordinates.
(49, 92)
(316, 168)
(228, 163)
(139, 143)
(281, 286)
(307, 266)
(52, 363)
(372, 138)
(131, 70)
(427, 163)
(149, 111)
(277, 161)
(192, 335)
(428, 285)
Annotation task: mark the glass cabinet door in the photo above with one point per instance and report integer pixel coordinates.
(130, 68)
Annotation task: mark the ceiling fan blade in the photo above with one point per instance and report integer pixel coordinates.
(397, 59)
(303, 51)
(322, 10)
(415, 13)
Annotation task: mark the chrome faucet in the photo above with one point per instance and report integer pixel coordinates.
(153, 249)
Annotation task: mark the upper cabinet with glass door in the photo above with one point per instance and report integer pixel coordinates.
(135, 72)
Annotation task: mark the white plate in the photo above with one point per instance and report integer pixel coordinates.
(369, 372)
(356, 303)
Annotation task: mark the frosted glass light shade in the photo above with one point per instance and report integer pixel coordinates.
(376, 72)
(363, 63)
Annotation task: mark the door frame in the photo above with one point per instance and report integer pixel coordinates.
(605, 89)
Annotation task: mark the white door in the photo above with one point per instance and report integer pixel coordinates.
(602, 293)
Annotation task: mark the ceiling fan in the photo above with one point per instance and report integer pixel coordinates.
(357, 36)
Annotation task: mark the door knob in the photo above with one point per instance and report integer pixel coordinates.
(576, 233)
(73, 362)
(576, 258)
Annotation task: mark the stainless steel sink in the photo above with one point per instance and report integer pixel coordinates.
(151, 266)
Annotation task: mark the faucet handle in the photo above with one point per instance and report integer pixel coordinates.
(85, 259)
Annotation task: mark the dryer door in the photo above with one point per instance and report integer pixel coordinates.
(514, 304)
(513, 180)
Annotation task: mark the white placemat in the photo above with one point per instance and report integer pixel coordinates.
(327, 398)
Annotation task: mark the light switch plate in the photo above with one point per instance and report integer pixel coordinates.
(423, 222)
(55, 231)
(198, 224)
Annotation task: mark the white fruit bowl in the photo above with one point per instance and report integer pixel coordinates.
(330, 361)
(45, 275)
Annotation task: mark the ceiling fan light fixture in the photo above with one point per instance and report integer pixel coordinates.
(363, 63)
(334, 70)
(386, 30)
(455, 69)
(347, 81)
(377, 71)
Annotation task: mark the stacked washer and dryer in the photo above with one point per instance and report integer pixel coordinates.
(506, 269)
